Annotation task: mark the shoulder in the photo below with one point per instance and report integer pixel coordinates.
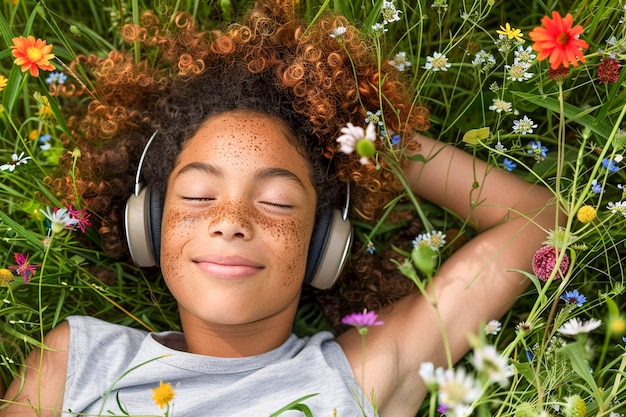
(39, 389)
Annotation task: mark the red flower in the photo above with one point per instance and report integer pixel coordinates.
(558, 74)
(544, 263)
(608, 70)
(32, 55)
(558, 40)
(23, 267)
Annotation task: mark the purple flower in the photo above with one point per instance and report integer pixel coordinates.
(574, 297)
(362, 320)
(23, 267)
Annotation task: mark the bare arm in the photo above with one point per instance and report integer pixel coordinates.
(474, 285)
(39, 392)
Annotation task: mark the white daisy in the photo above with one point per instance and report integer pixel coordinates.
(60, 219)
(576, 326)
(493, 327)
(500, 106)
(437, 62)
(457, 388)
(15, 161)
(488, 361)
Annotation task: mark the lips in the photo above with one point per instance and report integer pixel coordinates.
(228, 267)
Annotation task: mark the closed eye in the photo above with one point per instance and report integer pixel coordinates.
(276, 205)
(198, 198)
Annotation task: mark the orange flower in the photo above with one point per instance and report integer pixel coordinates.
(32, 54)
(558, 40)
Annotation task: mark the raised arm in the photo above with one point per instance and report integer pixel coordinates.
(474, 285)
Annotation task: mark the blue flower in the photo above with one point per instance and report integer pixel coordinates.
(624, 339)
(371, 249)
(595, 187)
(537, 150)
(44, 142)
(508, 164)
(374, 118)
(395, 139)
(574, 297)
(529, 355)
(610, 165)
(56, 77)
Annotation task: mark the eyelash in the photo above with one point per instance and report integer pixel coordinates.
(280, 206)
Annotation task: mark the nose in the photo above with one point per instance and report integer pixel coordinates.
(232, 220)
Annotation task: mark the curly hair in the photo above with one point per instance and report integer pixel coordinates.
(271, 62)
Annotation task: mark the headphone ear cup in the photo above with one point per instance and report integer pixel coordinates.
(328, 251)
(139, 220)
(154, 227)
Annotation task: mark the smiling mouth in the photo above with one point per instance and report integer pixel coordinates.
(228, 267)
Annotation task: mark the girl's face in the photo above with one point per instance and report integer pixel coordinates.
(238, 217)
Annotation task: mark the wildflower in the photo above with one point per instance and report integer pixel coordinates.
(517, 72)
(3, 82)
(379, 27)
(374, 118)
(586, 214)
(559, 41)
(560, 238)
(81, 216)
(524, 327)
(608, 70)
(576, 326)
(574, 297)
(362, 321)
(509, 165)
(524, 125)
(493, 327)
(500, 147)
(500, 106)
(32, 55)
(429, 374)
(558, 74)
(457, 389)
(437, 62)
(490, 362)
(338, 32)
(610, 165)
(525, 56)
(389, 12)
(15, 161)
(544, 262)
(371, 249)
(6, 277)
(400, 62)
(596, 188)
(56, 77)
(575, 406)
(538, 150)
(45, 110)
(510, 32)
(482, 57)
(354, 137)
(617, 208)
(434, 240)
(59, 218)
(23, 267)
(163, 394)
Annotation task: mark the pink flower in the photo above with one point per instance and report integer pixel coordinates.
(362, 320)
(81, 216)
(544, 263)
(23, 267)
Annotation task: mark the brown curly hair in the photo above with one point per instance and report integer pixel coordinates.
(271, 62)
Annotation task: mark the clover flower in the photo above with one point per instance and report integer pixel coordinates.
(60, 219)
(537, 150)
(24, 267)
(608, 70)
(163, 394)
(354, 137)
(573, 297)
(493, 327)
(400, 62)
(559, 41)
(495, 366)
(576, 326)
(558, 74)
(437, 62)
(32, 55)
(389, 12)
(524, 125)
(14, 162)
(508, 164)
(586, 214)
(3, 82)
(544, 262)
(500, 106)
(617, 208)
(362, 321)
(517, 72)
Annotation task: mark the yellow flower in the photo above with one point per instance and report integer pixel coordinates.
(510, 32)
(32, 55)
(6, 277)
(163, 394)
(575, 406)
(3, 82)
(586, 214)
(45, 111)
(33, 134)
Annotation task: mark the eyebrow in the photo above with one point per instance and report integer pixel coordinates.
(266, 173)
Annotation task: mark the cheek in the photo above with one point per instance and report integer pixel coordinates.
(175, 231)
